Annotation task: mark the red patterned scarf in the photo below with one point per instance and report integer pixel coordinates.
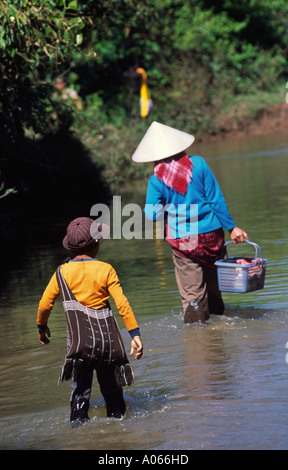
(175, 174)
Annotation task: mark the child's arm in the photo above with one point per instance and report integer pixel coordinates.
(126, 312)
(45, 306)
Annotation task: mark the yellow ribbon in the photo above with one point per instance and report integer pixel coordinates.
(145, 99)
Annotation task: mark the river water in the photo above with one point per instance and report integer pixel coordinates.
(222, 386)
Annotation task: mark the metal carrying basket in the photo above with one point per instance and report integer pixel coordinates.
(241, 274)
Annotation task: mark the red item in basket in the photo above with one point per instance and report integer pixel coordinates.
(245, 261)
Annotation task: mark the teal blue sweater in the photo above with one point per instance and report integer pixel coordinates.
(209, 211)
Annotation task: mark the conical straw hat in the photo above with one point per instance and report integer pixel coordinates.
(161, 141)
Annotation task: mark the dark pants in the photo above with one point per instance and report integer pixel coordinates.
(198, 287)
(81, 391)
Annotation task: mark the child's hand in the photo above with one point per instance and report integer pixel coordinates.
(42, 336)
(136, 343)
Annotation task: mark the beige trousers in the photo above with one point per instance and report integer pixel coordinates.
(198, 287)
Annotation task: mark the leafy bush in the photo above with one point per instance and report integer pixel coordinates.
(198, 54)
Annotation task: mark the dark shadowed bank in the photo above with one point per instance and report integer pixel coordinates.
(55, 180)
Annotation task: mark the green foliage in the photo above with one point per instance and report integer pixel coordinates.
(198, 54)
(36, 39)
(224, 39)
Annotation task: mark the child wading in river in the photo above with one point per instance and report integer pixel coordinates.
(93, 337)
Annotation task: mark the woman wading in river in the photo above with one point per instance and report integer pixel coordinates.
(196, 237)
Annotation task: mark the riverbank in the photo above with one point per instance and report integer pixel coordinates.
(112, 146)
(268, 120)
(79, 169)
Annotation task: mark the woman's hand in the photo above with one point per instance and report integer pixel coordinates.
(237, 235)
(136, 344)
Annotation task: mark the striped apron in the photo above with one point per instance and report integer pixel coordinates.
(93, 337)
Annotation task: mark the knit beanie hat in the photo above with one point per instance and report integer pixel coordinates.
(84, 232)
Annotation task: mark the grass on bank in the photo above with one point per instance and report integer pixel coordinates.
(246, 109)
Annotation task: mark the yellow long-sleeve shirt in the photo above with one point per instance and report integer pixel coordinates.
(92, 282)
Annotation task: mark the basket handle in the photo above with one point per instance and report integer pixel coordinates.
(257, 247)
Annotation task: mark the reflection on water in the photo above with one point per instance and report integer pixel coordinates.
(222, 386)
